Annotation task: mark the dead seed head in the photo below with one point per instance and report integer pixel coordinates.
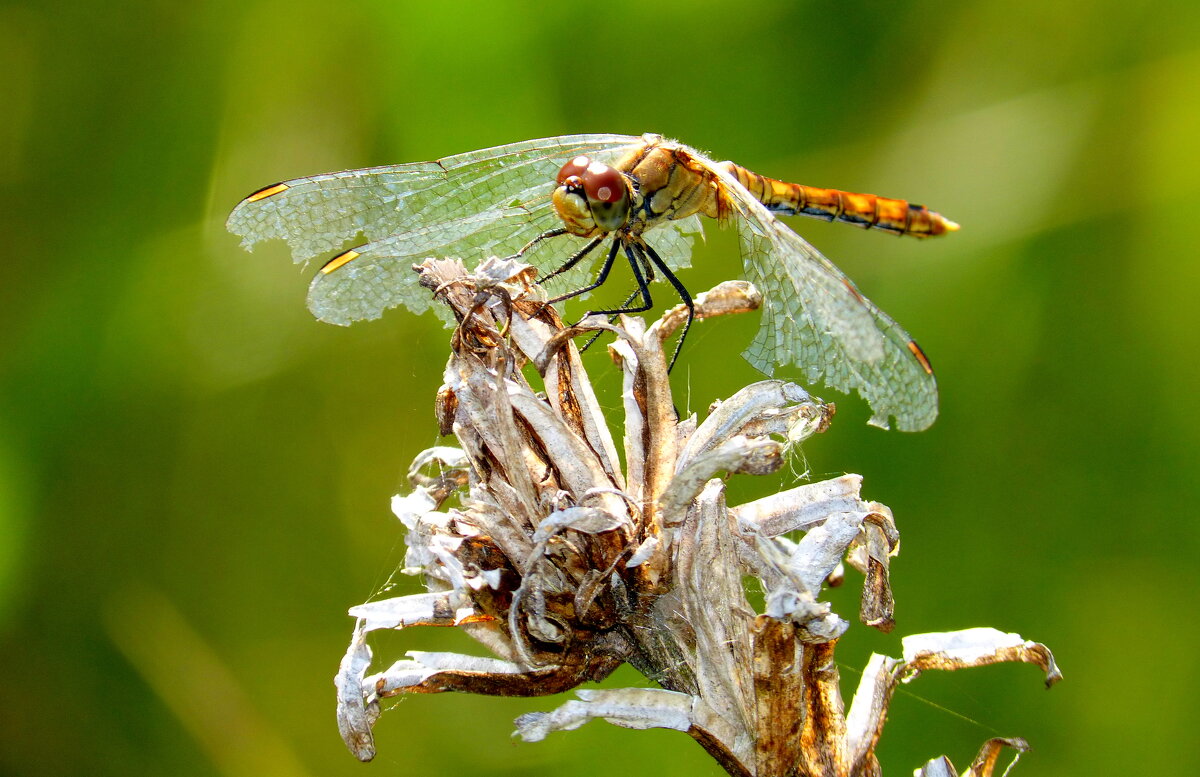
(534, 539)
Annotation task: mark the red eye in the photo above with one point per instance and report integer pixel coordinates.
(602, 183)
(573, 169)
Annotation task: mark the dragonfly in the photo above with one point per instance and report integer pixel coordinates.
(555, 201)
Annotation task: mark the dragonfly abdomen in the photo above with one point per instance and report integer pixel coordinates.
(867, 211)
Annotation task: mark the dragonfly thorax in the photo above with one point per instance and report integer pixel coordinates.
(592, 198)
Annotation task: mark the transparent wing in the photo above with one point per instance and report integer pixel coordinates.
(470, 205)
(381, 276)
(815, 318)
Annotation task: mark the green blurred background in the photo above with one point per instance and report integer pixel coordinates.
(194, 474)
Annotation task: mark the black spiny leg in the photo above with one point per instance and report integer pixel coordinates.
(642, 289)
(611, 319)
(632, 254)
(544, 236)
(635, 260)
(683, 294)
(572, 260)
(601, 277)
(636, 251)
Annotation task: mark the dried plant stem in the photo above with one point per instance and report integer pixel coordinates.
(565, 564)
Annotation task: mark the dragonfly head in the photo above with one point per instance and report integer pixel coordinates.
(592, 198)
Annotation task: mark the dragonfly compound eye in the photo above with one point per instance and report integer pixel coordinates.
(573, 169)
(602, 183)
(607, 196)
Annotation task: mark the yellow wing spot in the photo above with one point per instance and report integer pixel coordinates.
(338, 261)
(921, 357)
(270, 191)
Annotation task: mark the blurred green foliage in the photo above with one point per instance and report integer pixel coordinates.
(194, 475)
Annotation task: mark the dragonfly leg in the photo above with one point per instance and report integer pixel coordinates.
(633, 255)
(601, 277)
(573, 260)
(544, 236)
(643, 288)
(637, 261)
(683, 294)
(611, 319)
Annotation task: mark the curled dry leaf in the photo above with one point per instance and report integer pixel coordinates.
(534, 539)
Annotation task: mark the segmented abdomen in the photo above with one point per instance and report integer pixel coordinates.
(867, 211)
